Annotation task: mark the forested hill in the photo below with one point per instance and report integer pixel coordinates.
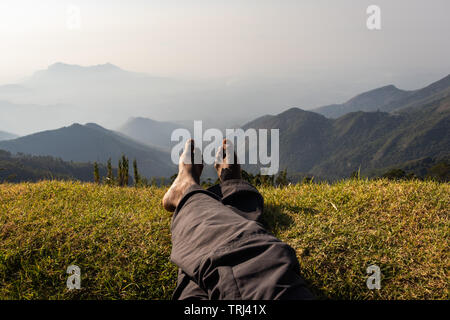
(334, 148)
(18, 168)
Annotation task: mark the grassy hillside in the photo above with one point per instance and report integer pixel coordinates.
(120, 238)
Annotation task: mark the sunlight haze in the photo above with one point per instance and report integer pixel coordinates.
(262, 55)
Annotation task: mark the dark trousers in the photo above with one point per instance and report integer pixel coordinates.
(223, 251)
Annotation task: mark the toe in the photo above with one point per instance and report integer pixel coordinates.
(230, 153)
(188, 152)
(219, 156)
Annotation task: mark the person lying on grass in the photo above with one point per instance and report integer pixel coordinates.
(219, 244)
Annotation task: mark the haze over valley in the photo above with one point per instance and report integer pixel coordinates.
(372, 131)
(87, 81)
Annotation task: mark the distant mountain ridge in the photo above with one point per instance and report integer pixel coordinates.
(394, 127)
(436, 91)
(108, 72)
(334, 148)
(91, 142)
(149, 132)
(100, 93)
(388, 99)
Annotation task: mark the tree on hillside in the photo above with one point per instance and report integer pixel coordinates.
(440, 171)
(267, 180)
(96, 173)
(356, 174)
(137, 177)
(395, 174)
(123, 171)
(110, 176)
(119, 173)
(308, 179)
(282, 179)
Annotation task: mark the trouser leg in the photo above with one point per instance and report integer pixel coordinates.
(228, 255)
(246, 201)
(243, 198)
(187, 289)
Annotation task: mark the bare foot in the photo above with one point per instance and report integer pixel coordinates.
(188, 174)
(227, 169)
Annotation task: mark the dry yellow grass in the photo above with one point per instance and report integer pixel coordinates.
(120, 238)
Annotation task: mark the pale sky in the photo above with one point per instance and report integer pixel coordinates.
(275, 39)
(237, 58)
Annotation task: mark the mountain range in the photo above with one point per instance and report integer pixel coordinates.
(107, 94)
(388, 99)
(65, 93)
(417, 126)
(377, 129)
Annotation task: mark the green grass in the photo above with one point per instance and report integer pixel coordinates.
(120, 238)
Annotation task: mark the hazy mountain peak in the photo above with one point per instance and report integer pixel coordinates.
(72, 82)
(149, 131)
(292, 110)
(376, 97)
(61, 67)
(368, 101)
(297, 112)
(75, 125)
(290, 117)
(106, 67)
(91, 125)
(94, 125)
(58, 65)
